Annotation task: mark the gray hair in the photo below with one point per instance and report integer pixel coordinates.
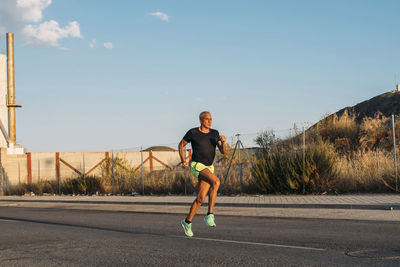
(203, 113)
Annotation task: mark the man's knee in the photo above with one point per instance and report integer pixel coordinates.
(211, 179)
(200, 199)
(216, 183)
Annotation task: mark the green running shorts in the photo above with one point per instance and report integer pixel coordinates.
(197, 167)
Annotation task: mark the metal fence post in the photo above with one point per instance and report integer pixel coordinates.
(19, 174)
(304, 160)
(394, 151)
(112, 173)
(83, 160)
(141, 158)
(38, 170)
(5, 181)
(240, 164)
(58, 172)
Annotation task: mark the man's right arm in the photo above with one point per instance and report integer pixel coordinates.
(181, 147)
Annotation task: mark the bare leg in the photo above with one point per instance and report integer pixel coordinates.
(214, 183)
(201, 196)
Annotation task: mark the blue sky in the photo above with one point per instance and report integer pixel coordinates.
(254, 64)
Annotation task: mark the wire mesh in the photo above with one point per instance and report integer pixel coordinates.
(363, 160)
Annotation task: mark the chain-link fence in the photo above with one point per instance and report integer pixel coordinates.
(337, 155)
(168, 177)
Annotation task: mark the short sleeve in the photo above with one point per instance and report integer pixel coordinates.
(217, 135)
(188, 136)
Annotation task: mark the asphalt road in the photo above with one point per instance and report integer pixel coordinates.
(52, 237)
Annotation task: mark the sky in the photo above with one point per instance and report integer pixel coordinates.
(99, 75)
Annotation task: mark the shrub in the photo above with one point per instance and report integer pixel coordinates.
(266, 140)
(344, 128)
(47, 187)
(19, 190)
(282, 171)
(125, 177)
(82, 185)
(40, 188)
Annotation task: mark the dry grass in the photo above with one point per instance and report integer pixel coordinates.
(375, 132)
(177, 181)
(233, 185)
(183, 182)
(364, 162)
(333, 128)
(170, 182)
(40, 188)
(368, 171)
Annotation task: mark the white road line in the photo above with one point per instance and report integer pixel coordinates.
(248, 243)
(226, 241)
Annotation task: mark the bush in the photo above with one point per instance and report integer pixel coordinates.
(341, 130)
(19, 190)
(40, 188)
(282, 171)
(82, 185)
(47, 187)
(126, 178)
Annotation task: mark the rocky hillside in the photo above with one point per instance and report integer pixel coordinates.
(386, 104)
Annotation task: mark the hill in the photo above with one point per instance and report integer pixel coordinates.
(385, 104)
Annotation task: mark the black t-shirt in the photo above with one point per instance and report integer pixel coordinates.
(203, 145)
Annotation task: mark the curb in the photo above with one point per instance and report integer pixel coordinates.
(387, 206)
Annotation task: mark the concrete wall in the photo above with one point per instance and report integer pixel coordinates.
(3, 98)
(13, 169)
(42, 165)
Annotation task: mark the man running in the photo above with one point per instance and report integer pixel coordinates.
(203, 140)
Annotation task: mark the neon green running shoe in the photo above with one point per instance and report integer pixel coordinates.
(209, 219)
(187, 227)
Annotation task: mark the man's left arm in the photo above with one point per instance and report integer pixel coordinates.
(221, 144)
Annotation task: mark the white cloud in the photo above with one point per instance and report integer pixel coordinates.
(92, 43)
(24, 10)
(162, 16)
(64, 49)
(50, 32)
(16, 14)
(108, 45)
(31, 10)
